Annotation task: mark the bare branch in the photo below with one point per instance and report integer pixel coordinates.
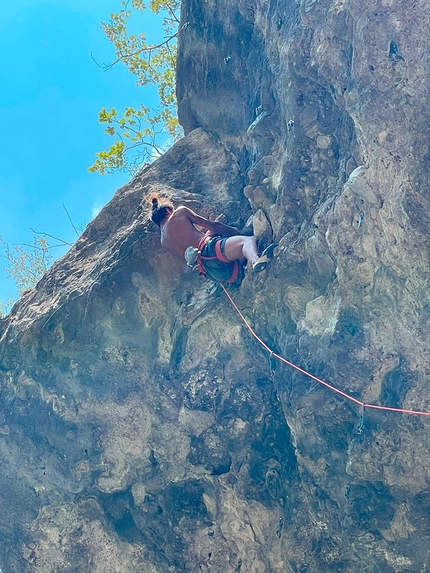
(123, 57)
(96, 62)
(71, 222)
(51, 236)
(139, 143)
(38, 248)
(172, 13)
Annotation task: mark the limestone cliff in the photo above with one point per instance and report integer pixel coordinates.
(142, 428)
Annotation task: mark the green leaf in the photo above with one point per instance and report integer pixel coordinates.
(145, 129)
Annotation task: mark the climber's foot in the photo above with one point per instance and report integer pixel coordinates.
(264, 259)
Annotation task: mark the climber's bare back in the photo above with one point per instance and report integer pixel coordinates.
(178, 232)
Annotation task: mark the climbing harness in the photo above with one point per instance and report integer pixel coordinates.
(273, 355)
(228, 271)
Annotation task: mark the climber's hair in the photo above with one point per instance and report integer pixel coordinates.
(159, 210)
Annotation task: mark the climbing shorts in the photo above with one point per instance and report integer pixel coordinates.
(213, 264)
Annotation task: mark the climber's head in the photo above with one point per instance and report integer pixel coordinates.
(160, 211)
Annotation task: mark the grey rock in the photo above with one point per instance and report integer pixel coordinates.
(142, 428)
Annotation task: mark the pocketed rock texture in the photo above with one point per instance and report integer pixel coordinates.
(142, 427)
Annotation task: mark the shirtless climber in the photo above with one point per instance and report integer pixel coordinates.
(219, 254)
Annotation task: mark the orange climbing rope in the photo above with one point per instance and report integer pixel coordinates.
(326, 384)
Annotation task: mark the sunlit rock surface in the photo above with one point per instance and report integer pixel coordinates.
(142, 428)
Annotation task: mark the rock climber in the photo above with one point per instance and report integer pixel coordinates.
(219, 253)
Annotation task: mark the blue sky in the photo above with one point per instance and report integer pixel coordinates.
(50, 96)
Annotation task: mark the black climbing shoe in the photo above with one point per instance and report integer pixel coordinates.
(264, 259)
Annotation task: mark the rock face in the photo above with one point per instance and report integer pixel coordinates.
(142, 428)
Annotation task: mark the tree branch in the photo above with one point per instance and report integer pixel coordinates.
(172, 13)
(123, 57)
(51, 236)
(70, 219)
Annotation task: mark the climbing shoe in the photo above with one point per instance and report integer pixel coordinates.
(264, 259)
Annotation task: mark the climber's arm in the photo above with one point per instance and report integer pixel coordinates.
(215, 227)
